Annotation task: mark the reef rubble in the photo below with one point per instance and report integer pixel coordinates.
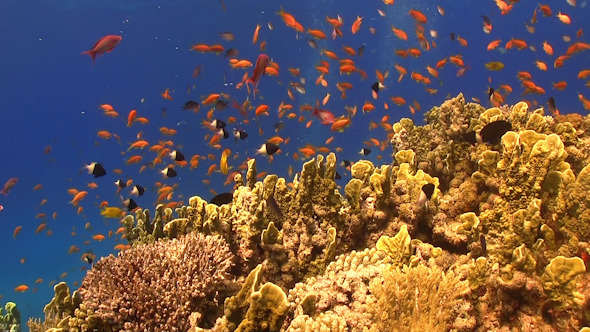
(500, 244)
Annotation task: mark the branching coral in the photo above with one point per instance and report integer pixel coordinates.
(156, 287)
(421, 296)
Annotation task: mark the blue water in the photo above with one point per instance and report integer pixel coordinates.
(50, 95)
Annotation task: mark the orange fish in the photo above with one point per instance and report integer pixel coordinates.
(318, 34)
(215, 48)
(541, 65)
(255, 36)
(40, 228)
(21, 288)
(493, 44)
(131, 117)
(503, 6)
(122, 247)
(584, 101)
(104, 45)
(547, 48)
(17, 230)
(104, 134)
(201, 48)
(399, 33)
(134, 160)
(140, 144)
(340, 123)
(356, 25)
(166, 94)
(211, 99)
(418, 16)
(98, 237)
(583, 74)
(259, 70)
(564, 18)
(79, 196)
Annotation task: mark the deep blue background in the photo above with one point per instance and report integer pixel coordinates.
(49, 96)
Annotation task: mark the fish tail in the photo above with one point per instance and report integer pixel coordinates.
(251, 81)
(91, 53)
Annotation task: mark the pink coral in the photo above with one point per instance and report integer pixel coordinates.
(156, 287)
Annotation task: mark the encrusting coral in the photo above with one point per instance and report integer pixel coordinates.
(493, 231)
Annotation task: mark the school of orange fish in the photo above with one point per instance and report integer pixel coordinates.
(335, 75)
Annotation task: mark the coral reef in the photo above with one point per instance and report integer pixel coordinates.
(453, 235)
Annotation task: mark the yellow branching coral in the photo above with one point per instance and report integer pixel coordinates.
(424, 297)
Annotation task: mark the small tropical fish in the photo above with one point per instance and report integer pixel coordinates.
(274, 207)
(98, 237)
(227, 36)
(121, 184)
(365, 151)
(168, 172)
(564, 18)
(491, 133)
(223, 167)
(418, 16)
(104, 45)
(278, 126)
(131, 117)
(96, 169)
(78, 197)
(176, 155)
(112, 212)
(17, 230)
(8, 186)
(240, 134)
(376, 87)
(137, 190)
(259, 70)
(484, 247)
(487, 24)
(552, 108)
(221, 199)
(88, 257)
(268, 149)
(494, 65)
(130, 204)
(356, 25)
(425, 195)
(21, 288)
(326, 117)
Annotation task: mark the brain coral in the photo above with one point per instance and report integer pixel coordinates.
(156, 287)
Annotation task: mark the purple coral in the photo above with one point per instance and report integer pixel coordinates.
(155, 287)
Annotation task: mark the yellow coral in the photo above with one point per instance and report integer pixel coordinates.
(559, 281)
(419, 298)
(399, 247)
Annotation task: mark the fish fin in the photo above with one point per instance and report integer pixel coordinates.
(91, 53)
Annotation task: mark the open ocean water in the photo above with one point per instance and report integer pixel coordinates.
(51, 93)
